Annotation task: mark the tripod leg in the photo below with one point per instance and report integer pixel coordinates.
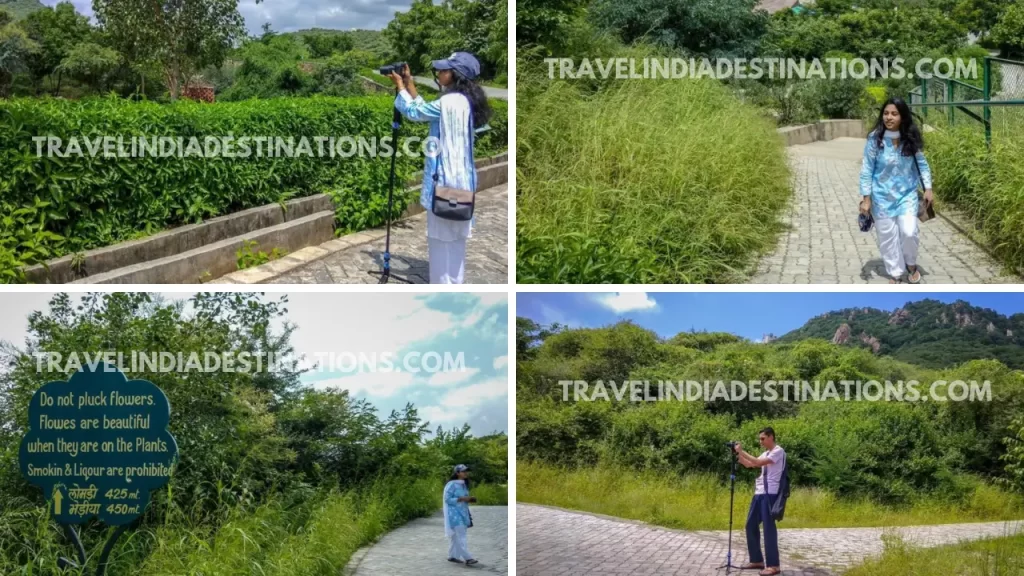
(385, 273)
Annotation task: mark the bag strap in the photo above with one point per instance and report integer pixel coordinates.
(920, 178)
(472, 144)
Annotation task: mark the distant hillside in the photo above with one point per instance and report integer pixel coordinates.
(369, 40)
(927, 333)
(20, 8)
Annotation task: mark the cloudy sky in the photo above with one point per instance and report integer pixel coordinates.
(408, 331)
(290, 15)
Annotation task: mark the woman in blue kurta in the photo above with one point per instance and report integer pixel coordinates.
(456, 515)
(894, 166)
(454, 118)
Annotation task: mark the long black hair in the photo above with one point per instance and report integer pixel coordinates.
(475, 94)
(455, 476)
(911, 141)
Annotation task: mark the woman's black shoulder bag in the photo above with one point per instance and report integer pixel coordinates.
(455, 203)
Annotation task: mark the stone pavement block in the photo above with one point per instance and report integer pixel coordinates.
(823, 232)
(354, 256)
(556, 541)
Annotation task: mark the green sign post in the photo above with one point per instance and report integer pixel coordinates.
(97, 445)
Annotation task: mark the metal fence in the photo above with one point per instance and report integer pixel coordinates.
(995, 106)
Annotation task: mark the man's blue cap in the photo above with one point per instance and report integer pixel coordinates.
(462, 62)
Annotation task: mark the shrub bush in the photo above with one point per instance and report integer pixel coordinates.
(81, 202)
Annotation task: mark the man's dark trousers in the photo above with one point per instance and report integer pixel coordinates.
(760, 513)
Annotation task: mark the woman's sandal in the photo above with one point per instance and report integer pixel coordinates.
(456, 560)
(911, 274)
(769, 572)
(471, 561)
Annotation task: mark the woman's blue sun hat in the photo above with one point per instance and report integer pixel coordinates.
(462, 62)
(461, 468)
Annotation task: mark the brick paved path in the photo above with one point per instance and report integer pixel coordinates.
(486, 251)
(419, 548)
(553, 541)
(824, 244)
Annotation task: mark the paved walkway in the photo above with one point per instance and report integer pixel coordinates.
(491, 92)
(553, 541)
(824, 244)
(486, 251)
(419, 548)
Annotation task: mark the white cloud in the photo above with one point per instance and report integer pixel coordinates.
(620, 302)
(374, 384)
(500, 362)
(438, 415)
(476, 393)
(451, 377)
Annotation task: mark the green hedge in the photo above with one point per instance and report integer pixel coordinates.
(54, 206)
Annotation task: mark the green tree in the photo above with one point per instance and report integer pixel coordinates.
(712, 28)
(543, 23)
(90, 64)
(181, 37)
(57, 30)
(16, 51)
(979, 16)
(1008, 33)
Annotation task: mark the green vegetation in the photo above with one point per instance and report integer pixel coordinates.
(59, 205)
(250, 255)
(274, 477)
(428, 32)
(995, 557)
(604, 195)
(19, 9)
(700, 501)
(927, 333)
(983, 182)
(903, 460)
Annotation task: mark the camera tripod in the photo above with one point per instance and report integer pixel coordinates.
(732, 495)
(385, 273)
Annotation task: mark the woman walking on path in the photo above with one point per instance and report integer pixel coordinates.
(457, 518)
(453, 120)
(894, 166)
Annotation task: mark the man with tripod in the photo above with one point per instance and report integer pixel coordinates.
(772, 463)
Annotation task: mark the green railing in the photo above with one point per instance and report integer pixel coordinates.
(1002, 90)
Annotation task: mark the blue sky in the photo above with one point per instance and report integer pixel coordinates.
(392, 325)
(290, 15)
(748, 314)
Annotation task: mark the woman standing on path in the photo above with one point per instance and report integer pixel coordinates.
(894, 166)
(453, 118)
(457, 518)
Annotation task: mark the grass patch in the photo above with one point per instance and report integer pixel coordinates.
(985, 184)
(644, 182)
(701, 501)
(993, 557)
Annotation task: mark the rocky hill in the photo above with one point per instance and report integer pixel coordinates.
(927, 333)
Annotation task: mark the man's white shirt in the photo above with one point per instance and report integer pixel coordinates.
(773, 471)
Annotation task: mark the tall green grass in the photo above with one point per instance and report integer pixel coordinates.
(653, 181)
(988, 185)
(701, 501)
(301, 533)
(993, 557)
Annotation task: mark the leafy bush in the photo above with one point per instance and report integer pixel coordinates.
(83, 202)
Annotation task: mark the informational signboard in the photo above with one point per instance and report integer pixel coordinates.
(97, 445)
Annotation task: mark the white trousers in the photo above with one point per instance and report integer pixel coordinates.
(447, 261)
(897, 241)
(458, 548)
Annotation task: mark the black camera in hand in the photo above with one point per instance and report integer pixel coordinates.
(472, 500)
(397, 68)
(731, 444)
